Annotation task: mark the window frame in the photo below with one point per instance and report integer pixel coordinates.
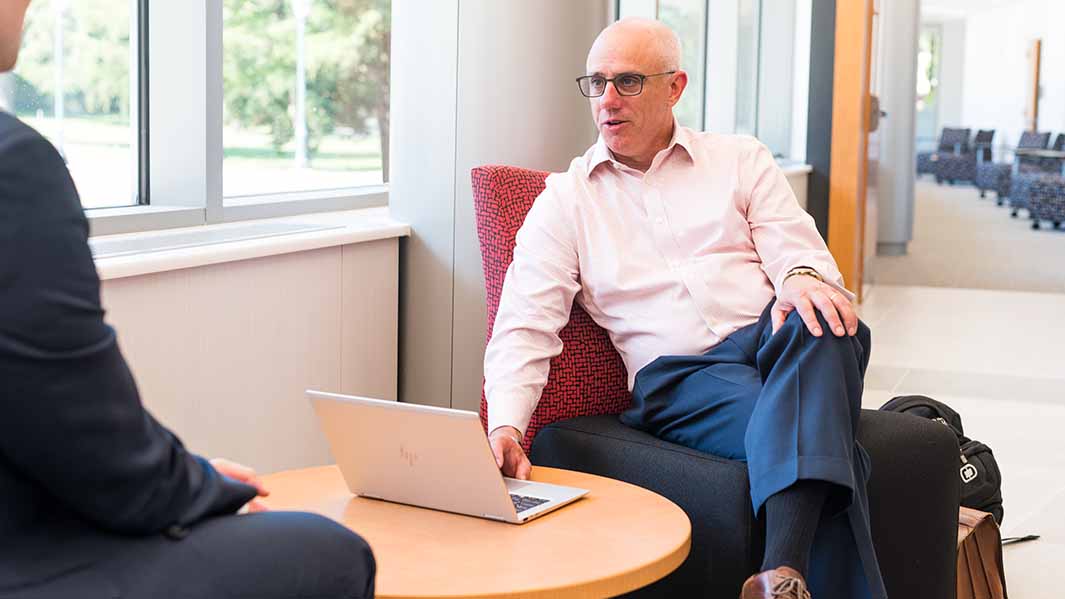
(179, 130)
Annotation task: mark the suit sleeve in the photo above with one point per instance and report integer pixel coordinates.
(70, 415)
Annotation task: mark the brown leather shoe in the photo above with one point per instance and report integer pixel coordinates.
(778, 583)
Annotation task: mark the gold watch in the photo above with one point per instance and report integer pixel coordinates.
(804, 270)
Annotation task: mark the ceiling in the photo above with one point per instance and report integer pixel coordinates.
(957, 9)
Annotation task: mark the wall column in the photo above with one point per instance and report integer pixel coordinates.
(473, 82)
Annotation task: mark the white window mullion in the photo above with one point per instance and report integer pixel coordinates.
(213, 111)
(177, 112)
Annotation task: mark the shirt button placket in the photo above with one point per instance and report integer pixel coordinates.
(663, 236)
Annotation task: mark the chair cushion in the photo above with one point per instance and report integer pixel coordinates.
(714, 492)
(1047, 199)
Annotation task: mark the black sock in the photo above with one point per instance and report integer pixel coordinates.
(792, 516)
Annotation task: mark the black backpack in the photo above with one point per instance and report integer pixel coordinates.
(981, 480)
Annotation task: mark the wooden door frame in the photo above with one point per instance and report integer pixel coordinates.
(1031, 111)
(850, 139)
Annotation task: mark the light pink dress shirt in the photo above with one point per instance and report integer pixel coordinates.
(669, 262)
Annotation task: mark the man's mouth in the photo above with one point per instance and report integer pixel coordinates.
(612, 124)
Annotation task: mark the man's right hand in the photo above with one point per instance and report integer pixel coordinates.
(510, 457)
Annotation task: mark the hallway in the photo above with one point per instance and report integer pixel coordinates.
(961, 240)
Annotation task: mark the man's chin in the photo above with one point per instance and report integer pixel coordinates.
(614, 142)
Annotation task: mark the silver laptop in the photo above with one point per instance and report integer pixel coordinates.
(428, 457)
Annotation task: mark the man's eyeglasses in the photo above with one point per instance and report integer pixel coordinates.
(627, 84)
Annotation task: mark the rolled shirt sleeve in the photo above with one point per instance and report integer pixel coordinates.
(535, 304)
(784, 234)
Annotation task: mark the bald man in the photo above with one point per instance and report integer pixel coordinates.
(729, 312)
(97, 498)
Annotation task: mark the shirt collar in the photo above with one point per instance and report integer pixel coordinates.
(601, 153)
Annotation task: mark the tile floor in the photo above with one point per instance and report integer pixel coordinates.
(998, 357)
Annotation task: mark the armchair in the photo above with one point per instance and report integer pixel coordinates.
(1026, 169)
(914, 489)
(962, 165)
(999, 176)
(950, 141)
(1046, 200)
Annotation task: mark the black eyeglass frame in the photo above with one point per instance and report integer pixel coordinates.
(606, 80)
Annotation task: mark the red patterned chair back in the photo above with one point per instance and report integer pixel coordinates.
(588, 377)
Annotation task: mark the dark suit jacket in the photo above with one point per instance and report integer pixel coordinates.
(82, 464)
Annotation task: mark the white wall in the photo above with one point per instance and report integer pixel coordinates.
(473, 82)
(996, 67)
(952, 74)
(1052, 102)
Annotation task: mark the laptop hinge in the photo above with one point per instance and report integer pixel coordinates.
(490, 516)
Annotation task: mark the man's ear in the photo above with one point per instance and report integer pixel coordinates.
(677, 86)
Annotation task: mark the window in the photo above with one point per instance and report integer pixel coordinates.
(182, 113)
(747, 54)
(305, 93)
(928, 59)
(688, 19)
(748, 65)
(75, 83)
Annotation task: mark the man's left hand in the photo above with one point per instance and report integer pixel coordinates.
(807, 295)
(247, 476)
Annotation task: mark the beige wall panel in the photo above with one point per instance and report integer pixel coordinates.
(370, 319)
(223, 353)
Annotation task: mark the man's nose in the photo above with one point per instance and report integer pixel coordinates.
(610, 97)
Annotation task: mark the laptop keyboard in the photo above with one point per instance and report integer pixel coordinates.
(524, 502)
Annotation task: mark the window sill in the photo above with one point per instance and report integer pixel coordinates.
(794, 168)
(336, 228)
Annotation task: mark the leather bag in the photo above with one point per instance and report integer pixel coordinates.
(980, 572)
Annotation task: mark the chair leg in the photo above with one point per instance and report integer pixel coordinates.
(1035, 224)
(1056, 224)
(1013, 213)
(981, 194)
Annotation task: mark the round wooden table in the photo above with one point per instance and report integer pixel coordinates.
(617, 538)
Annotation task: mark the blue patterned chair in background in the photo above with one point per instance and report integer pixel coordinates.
(996, 176)
(1054, 165)
(1047, 200)
(961, 166)
(1028, 169)
(950, 140)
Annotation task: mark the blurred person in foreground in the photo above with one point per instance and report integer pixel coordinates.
(97, 499)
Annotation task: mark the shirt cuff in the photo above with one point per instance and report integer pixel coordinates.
(510, 410)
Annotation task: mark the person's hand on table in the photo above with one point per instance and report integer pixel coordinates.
(245, 475)
(510, 457)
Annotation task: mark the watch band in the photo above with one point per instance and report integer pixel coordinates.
(804, 270)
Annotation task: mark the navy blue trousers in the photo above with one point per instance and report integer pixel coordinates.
(787, 404)
(272, 555)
